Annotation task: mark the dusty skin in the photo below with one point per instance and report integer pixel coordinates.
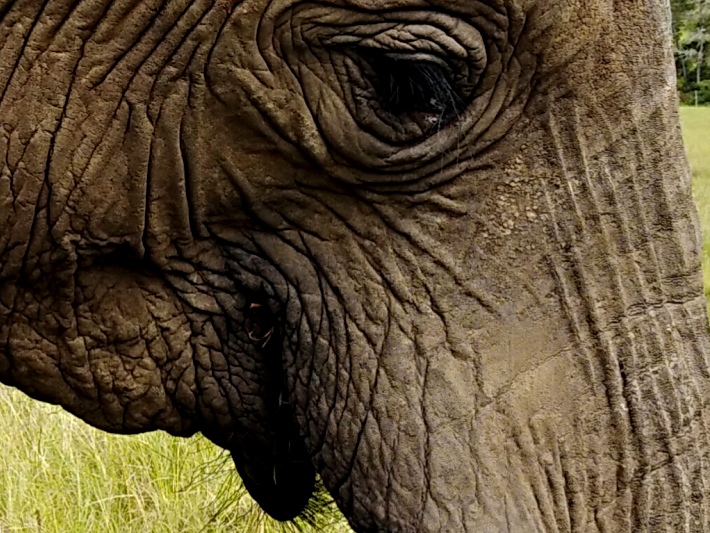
(442, 253)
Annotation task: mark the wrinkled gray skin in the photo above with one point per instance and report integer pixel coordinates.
(208, 223)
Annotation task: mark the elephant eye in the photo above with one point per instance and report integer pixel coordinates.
(417, 87)
(407, 96)
(389, 90)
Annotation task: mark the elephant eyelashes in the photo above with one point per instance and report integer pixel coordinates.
(415, 87)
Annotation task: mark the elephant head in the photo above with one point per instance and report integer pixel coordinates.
(442, 253)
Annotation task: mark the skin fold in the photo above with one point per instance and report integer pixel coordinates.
(442, 253)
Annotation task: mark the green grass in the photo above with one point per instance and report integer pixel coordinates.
(696, 133)
(60, 475)
(57, 474)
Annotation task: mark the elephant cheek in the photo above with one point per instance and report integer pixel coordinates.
(108, 348)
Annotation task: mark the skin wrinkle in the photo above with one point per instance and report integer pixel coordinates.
(662, 352)
(334, 402)
(133, 69)
(613, 380)
(662, 348)
(420, 242)
(421, 410)
(22, 51)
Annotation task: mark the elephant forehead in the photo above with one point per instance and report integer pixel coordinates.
(110, 93)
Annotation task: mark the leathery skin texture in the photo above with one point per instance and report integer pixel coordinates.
(442, 253)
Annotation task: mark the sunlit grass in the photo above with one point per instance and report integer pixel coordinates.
(696, 133)
(60, 475)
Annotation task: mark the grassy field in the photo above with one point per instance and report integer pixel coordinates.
(60, 475)
(696, 133)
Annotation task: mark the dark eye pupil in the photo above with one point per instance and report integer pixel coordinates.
(407, 86)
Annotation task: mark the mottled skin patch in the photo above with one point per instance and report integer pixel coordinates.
(209, 222)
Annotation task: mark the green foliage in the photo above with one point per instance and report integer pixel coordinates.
(703, 89)
(691, 37)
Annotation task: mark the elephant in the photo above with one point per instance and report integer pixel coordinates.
(442, 254)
